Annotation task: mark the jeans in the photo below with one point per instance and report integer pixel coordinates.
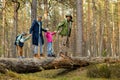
(49, 48)
(36, 47)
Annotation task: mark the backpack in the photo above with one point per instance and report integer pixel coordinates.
(16, 40)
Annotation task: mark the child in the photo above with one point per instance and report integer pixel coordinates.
(19, 42)
(49, 36)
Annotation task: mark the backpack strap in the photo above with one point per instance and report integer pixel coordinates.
(18, 38)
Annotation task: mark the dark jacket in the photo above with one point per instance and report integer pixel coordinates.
(34, 30)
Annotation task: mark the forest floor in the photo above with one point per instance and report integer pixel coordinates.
(55, 74)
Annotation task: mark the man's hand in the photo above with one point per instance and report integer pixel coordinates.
(58, 32)
(55, 31)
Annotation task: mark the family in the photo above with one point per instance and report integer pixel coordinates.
(63, 29)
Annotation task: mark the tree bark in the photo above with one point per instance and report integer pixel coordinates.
(101, 32)
(108, 29)
(119, 25)
(33, 17)
(79, 28)
(88, 30)
(34, 65)
(28, 65)
(45, 21)
(15, 23)
(3, 24)
(33, 10)
(94, 40)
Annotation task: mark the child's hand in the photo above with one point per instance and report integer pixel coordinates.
(58, 32)
(30, 34)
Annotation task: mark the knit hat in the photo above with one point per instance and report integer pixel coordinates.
(69, 15)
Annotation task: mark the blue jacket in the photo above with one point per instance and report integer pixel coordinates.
(34, 30)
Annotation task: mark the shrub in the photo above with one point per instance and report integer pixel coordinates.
(93, 72)
(104, 71)
(99, 72)
(115, 70)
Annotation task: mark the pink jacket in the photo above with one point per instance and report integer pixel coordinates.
(49, 36)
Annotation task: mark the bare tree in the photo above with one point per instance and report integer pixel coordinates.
(79, 28)
(108, 30)
(88, 30)
(119, 24)
(33, 10)
(16, 8)
(3, 24)
(33, 17)
(101, 31)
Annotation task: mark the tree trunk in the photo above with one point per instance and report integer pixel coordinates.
(108, 29)
(119, 24)
(34, 65)
(79, 28)
(46, 13)
(3, 24)
(33, 10)
(28, 65)
(88, 30)
(94, 41)
(45, 21)
(15, 23)
(73, 45)
(15, 28)
(101, 32)
(33, 17)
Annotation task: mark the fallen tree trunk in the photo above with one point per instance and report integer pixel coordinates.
(33, 65)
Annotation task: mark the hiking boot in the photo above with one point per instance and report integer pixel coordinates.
(61, 53)
(23, 56)
(20, 57)
(49, 55)
(36, 56)
(42, 55)
(53, 55)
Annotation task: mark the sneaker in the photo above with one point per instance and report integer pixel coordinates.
(23, 56)
(53, 55)
(20, 57)
(42, 55)
(49, 55)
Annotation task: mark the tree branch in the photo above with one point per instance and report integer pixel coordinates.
(18, 5)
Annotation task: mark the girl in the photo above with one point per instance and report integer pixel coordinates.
(49, 36)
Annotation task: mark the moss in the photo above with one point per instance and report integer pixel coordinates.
(56, 74)
(104, 71)
(115, 70)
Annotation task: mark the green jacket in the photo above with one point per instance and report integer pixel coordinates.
(65, 28)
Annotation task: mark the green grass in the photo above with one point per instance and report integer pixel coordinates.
(58, 74)
(104, 71)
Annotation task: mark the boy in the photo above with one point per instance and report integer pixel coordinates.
(49, 36)
(19, 42)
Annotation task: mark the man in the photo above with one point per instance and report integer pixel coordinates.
(64, 29)
(37, 37)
